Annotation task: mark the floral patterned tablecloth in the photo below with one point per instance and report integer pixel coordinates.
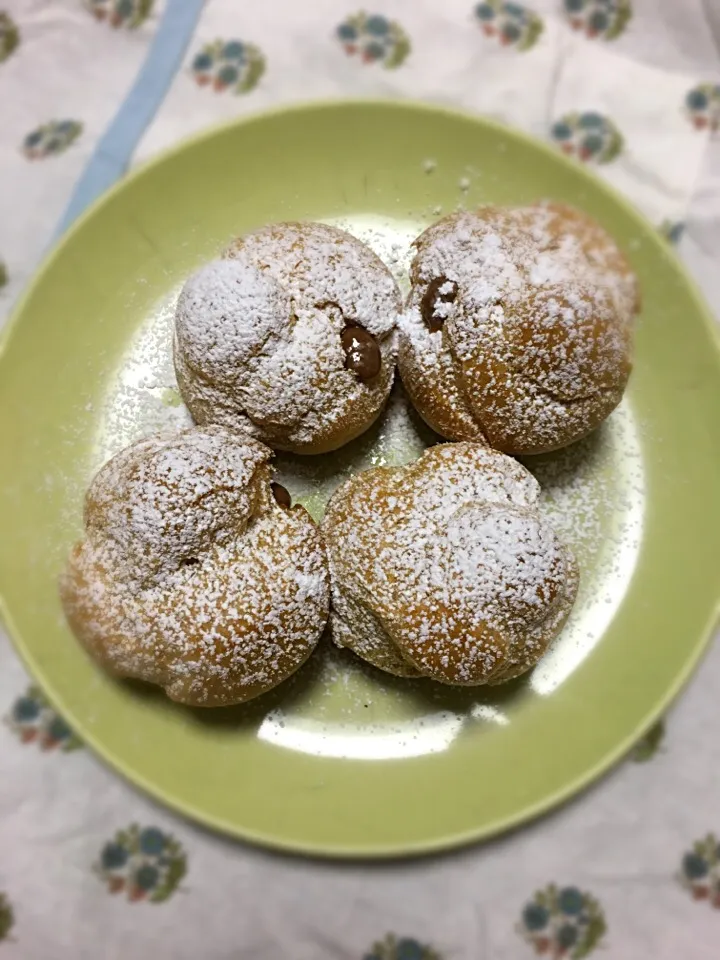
(89, 869)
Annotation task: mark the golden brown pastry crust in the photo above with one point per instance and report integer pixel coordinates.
(191, 575)
(534, 338)
(258, 337)
(445, 569)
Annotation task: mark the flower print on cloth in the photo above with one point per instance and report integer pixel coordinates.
(121, 13)
(673, 231)
(51, 138)
(7, 917)
(598, 18)
(588, 137)
(702, 106)
(33, 720)
(646, 748)
(700, 870)
(144, 864)
(229, 65)
(510, 23)
(403, 948)
(562, 922)
(9, 35)
(374, 39)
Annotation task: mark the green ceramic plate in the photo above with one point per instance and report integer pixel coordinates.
(342, 760)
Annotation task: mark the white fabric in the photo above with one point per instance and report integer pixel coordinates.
(623, 841)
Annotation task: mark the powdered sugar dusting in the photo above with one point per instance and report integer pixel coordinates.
(142, 397)
(229, 312)
(258, 337)
(451, 558)
(592, 493)
(190, 576)
(534, 347)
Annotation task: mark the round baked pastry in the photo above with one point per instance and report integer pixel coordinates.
(291, 338)
(518, 330)
(445, 569)
(194, 573)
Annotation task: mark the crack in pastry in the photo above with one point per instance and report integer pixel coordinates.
(518, 327)
(195, 573)
(445, 569)
(241, 361)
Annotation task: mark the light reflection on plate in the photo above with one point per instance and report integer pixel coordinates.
(609, 554)
(430, 734)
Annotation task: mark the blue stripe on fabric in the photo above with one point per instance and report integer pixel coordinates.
(115, 148)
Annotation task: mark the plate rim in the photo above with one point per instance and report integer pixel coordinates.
(391, 103)
(384, 850)
(447, 844)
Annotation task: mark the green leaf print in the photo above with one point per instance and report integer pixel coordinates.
(7, 917)
(613, 149)
(622, 18)
(402, 948)
(532, 33)
(400, 51)
(646, 748)
(255, 69)
(144, 9)
(595, 931)
(176, 870)
(9, 36)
